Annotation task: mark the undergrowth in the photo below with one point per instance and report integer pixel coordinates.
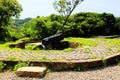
(2, 65)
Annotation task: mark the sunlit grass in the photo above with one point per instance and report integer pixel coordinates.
(112, 44)
(91, 42)
(68, 49)
(83, 41)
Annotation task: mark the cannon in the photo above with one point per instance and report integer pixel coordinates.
(51, 41)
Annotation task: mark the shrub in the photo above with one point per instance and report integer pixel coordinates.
(77, 69)
(2, 65)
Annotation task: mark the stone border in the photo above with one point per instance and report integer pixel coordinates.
(59, 65)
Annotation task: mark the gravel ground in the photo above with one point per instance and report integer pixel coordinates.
(104, 73)
(107, 73)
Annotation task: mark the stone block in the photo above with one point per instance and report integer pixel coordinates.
(31, 71)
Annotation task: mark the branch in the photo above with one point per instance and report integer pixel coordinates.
(75, 3)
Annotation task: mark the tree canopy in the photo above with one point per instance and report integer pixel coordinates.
(9, 8)
(83, 24)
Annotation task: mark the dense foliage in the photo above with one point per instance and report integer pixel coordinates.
(91, 24)
(83, 24)
(8, 9)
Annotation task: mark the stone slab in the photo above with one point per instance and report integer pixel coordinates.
(31, 71)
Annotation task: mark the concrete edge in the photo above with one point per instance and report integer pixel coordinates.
(59, 65)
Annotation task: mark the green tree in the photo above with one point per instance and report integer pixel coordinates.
(54, 17)
(117, 25)
(8, 9)
(110, 21)
(88, 23)
(35, 28)
(54, 26)
(65, 8)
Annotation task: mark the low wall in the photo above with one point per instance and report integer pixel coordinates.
(59, 65)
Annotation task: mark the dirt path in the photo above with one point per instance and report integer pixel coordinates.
(104, 73)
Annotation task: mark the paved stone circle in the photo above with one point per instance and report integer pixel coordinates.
(84, 53)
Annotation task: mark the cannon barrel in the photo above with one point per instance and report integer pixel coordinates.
(50, 39)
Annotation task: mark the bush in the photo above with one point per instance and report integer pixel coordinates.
(2, 65)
